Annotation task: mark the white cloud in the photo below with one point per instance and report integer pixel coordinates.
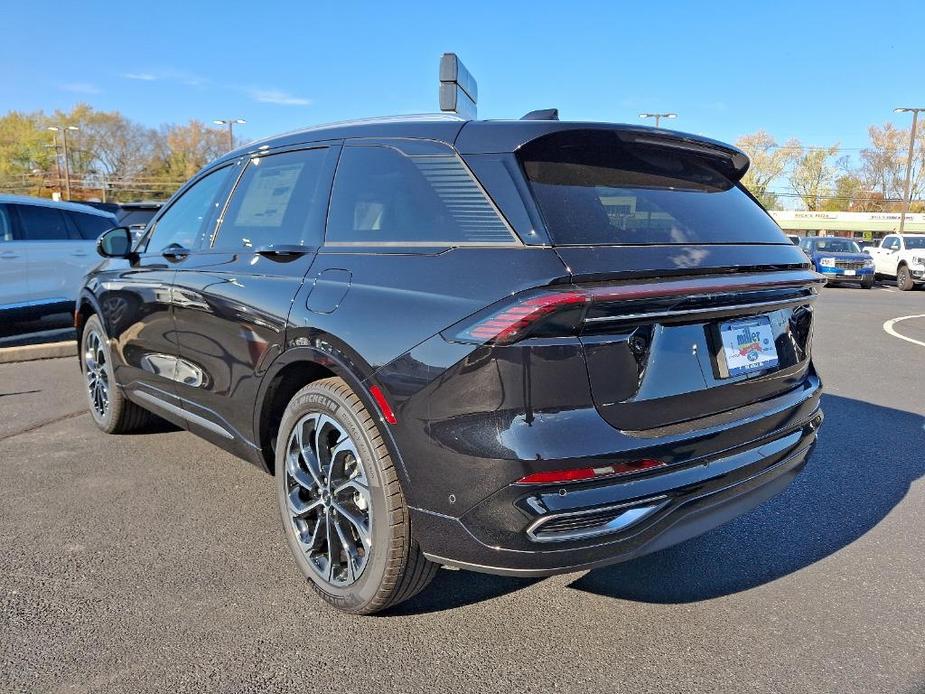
(143, 76)
(169, 75)
(277, 96)
(81, 88)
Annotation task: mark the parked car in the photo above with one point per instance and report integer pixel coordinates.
(134, 215)
(839, 260)
(46, 248)
(508, 346)
(865, 245)
(901, 257)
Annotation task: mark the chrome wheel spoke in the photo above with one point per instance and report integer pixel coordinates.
(333, 547)
(328, 499)
(355, 521)
(308, 455)
(299, 476)
(351, 557)
(94, 358)
(300, 508)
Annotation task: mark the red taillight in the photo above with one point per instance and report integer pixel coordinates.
(587, 473)
(509, 324)
(384, 406)
(554, 311)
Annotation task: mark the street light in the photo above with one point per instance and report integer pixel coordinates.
(658, 116)
(63, 129)
(907, 196)
(230, 122)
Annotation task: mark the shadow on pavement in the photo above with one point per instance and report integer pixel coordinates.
(865, 461)
(452, 589)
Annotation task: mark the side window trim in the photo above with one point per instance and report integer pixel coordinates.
(335, 147)
(152, 226)
(394, 143)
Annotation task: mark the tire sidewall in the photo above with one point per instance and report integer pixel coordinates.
(322, 399)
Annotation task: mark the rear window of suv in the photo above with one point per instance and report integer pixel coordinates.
(594, 189)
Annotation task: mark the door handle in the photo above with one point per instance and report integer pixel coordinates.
(79, 254)
(284, 250)
(175, 252)
(9, 255)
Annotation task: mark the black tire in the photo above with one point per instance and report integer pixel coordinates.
(867, 282)
(118, 415)
(904, 279)
(394, 568)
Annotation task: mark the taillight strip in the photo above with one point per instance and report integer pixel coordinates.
(756, 305)
(705, 285)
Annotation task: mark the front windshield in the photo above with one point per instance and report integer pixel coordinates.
(916, 242)
(836, 246)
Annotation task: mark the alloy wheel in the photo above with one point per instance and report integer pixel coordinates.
(328, 499)
(96, 374)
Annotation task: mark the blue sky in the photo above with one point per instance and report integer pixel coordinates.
(820, 71)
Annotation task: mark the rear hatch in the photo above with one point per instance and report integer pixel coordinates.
(699, 305)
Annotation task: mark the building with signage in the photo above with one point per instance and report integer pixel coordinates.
(868, 226)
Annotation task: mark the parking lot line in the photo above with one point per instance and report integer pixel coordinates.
(888, 327)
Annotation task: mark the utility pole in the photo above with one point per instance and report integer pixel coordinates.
(63, 129)
(54, 145)
(658, 116)
(230, 122)
(907, 195)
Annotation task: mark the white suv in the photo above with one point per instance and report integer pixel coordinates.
(46, 248)
(901, 256)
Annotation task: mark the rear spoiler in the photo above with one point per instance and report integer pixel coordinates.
(495, 137)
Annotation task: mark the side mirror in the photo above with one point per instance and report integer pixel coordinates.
(115, 243)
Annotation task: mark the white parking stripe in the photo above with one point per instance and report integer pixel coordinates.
(886, 289)
(888, 327)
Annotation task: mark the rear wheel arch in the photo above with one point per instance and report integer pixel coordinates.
(298, 367)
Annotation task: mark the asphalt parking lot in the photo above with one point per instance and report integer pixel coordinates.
(155, 562)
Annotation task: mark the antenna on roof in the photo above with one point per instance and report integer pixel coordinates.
(542, 114)
(459, 92)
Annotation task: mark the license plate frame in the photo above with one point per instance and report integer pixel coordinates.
(746, 347)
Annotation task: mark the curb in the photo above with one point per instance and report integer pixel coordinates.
(52, 350)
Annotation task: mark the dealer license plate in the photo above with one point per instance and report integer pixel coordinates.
(748, 345)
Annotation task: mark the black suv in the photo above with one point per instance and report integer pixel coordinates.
(519, 347)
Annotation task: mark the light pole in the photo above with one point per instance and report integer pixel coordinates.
(230, 122)
(658, 116)
(907, 195)
(63, 129)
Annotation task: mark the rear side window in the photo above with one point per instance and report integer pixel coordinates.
(280, 199)
(41, 223)
(592, 188)
(91, 226)
(414, 193)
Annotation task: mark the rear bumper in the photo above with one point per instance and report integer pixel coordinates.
(495, 537)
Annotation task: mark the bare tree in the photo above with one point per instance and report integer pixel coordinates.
(768, 162)
(812, 175)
